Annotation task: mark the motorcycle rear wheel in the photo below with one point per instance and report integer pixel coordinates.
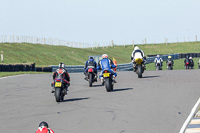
(58, 94)
(90, 79)
(139, 71)
(108, 85)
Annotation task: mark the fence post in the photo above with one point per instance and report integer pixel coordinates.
(2, 57)
(166, 41)
(196, 38)
(112, 43)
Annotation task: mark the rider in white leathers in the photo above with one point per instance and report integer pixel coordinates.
(137, 53)
(158, 59)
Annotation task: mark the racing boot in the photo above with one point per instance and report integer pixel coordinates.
(134, 67)
(95, 78)
(101, 79)
(114, 79)
(53, 89)
(66, 89)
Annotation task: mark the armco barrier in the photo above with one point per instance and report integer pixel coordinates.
(17, 67)
(120, 67)
(76, 69)
(164, 57)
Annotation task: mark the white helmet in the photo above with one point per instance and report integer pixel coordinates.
(104, 56)
(136, 48)
(190, 58)
(158, 56)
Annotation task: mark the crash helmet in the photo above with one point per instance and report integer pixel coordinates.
(43, 123)
(104, 56)
(187, 56)
(169, 57)
(158, 56)
(190, 58)
(61, 65)
(136, 48)
(91, 58)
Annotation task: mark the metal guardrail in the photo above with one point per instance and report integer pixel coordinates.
(164, 57)
(120, 67)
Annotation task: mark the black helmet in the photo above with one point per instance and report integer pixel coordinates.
(43, 123)
(187, 56)
(91, 57)
(61, 65)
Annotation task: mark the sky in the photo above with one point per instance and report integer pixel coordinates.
(100, 21)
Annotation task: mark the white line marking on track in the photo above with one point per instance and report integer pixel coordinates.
(12, 76)
(194, 109)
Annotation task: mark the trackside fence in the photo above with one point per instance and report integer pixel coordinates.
(120, 67)
(80, 68)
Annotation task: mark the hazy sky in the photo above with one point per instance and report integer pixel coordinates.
(101, 21)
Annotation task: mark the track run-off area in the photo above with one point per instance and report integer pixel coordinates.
(160, 102)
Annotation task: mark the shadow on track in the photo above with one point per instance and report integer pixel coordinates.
(150, 76)
(97, 85)
(122, 89)
(75, 99)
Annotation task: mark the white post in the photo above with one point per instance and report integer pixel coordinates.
(196, 38)
(112, 43)
(145, 41)
(1, 57)
(166, 41)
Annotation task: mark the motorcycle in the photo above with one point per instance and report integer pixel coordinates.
(139, 67)
(169, 65)
(60, 89)
(108, 80)
(91, 75)
(158, 66)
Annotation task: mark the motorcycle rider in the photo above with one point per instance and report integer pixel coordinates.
(158, 59)
(199, 63)
(137, 53)
(93, 63)
(170, 59)
(186, 60)
(44, 128)
(191, 62)
(106, 64)
(61, 71)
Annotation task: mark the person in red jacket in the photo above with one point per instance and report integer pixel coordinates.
(44, 128)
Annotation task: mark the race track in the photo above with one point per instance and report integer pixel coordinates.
(158, 103)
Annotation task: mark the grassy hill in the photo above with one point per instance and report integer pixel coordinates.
(44, 55)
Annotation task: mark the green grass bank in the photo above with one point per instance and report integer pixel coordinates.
(44, 55)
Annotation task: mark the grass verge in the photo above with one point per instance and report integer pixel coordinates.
(5, 74)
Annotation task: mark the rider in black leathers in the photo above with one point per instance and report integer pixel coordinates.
(92, 63)
(62, 72)
(191, 62)
(186, 60)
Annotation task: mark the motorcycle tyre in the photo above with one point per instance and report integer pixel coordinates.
(90, 79)
(58, 94)
(108, 85)
(139, 69)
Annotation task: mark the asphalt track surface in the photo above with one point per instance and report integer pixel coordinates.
(158, 103)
